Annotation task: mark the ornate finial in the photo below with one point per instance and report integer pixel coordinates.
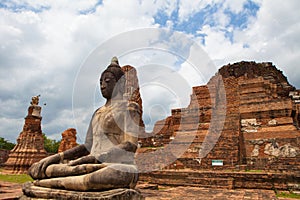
(114, 60)
(35, 100)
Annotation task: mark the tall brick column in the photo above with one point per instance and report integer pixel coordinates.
(30, 143)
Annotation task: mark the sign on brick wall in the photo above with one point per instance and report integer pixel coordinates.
(217, 162)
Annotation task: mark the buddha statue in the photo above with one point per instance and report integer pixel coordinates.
(106, 159)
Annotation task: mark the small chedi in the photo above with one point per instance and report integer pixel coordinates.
(103, 167)
(30, 143)
(247, 116)
(68, 140)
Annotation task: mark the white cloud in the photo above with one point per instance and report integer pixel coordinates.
(41, 52)
(189, 7)
(272, 36)
(235, 6)
(44, 43)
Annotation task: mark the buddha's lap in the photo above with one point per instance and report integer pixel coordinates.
(64, 170)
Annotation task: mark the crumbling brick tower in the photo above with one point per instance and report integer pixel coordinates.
(260, 119)
(30, 143)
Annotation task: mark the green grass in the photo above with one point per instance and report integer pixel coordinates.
(162, 188)
(288, 195)
(253, 170)
(15, 178)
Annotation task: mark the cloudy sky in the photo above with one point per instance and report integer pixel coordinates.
(58, 49)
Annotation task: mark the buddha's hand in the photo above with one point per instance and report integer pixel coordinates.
(83, 160)
(102, 157)
(38, 169)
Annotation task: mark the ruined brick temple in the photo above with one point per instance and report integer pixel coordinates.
(132, 90)
(30, 143)
(247, 116)
(68, 140)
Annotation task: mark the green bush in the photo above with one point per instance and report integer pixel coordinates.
(51, 146)
(4, 144)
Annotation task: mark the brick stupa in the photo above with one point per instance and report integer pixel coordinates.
(257, 112)
(30, 143)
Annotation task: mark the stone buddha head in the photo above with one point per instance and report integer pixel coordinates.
(112, 81)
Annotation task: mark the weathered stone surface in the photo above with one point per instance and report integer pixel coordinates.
(106, 160)
(30, 143)
(261, 107)
(68, 140)
(255, 151)
(286, 150)
(132, 91)
(34, 192)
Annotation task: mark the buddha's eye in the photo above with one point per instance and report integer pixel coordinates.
(107, 80)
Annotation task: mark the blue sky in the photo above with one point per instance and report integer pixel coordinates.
(46, 44)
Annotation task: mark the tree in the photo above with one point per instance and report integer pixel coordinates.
(51, 146)
(4, 144)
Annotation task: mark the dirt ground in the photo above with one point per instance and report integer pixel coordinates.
(10, 191)
(191, 193)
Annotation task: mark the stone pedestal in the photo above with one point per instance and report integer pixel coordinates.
(34, 192)
(30, 144)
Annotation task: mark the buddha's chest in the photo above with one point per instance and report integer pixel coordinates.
(108, 125)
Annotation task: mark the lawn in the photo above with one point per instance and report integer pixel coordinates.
(288, 195)
(15, 178)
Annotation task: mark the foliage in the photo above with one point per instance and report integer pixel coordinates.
(4, 144)
(288, 195)
(50, 145)
(15, 178)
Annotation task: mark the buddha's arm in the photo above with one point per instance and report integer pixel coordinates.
(131, 128)
(75, 152)
(83, 149)
(38, 169)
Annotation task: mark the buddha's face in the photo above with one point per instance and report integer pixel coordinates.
(107, 84)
